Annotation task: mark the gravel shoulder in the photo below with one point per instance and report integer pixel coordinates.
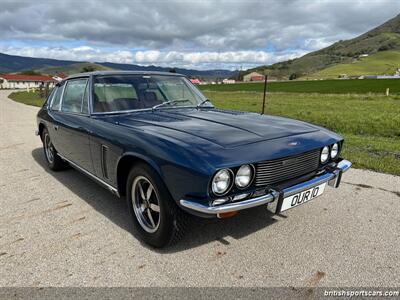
(62, 229)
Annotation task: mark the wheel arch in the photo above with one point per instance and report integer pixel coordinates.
(41, 128)
(125, 164)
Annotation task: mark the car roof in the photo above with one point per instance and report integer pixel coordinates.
(99, 73)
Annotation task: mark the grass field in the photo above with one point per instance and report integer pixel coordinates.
(385, 62)
(370, 123)
(31, 98)
(356, 86)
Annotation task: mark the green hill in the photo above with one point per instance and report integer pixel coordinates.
(385, 62)
(382, 38)
(73, 68)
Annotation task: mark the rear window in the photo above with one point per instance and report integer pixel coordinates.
(106, 92)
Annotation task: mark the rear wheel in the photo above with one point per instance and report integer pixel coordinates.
(54, 162)
(156, 217)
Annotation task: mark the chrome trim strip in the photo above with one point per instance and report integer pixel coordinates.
(235, 206)
(108, 186)
(341, 167)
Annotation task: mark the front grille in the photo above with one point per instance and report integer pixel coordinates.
(275, 171)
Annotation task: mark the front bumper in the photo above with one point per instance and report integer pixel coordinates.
(332, 176)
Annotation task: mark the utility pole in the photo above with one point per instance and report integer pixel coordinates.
(265, 93)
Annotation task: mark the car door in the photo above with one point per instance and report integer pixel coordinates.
(73, 124)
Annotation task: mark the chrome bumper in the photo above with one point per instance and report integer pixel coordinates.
(333, 178)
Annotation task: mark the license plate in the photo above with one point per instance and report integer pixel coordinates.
(302, 197)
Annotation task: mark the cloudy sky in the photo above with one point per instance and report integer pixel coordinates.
(191, 34)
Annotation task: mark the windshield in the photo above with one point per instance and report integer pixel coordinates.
(118, 93)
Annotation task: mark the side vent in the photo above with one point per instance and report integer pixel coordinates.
(104, 159)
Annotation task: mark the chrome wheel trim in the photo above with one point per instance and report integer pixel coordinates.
(146, 204)
(48, 148)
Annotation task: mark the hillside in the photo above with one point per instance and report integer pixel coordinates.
(188, 72)
(384, 62)
(72, 68)
(382, 38)
(14, 63)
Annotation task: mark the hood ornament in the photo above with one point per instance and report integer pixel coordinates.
(294, 144)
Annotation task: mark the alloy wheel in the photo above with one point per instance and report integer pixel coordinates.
(49, 148)
(146, 205)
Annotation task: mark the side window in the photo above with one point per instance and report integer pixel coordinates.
(73, 96)
(85, 100)
(55, 104)
(49, 98)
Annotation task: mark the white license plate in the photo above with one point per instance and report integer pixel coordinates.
(302, 197)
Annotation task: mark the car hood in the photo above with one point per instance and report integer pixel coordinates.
(222, 127)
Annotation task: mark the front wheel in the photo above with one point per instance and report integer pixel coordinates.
(157, 219)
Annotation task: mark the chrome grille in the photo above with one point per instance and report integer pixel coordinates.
(277, 170)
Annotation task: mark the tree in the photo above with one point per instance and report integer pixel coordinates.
(292, 76)
(30, 72)
(88, 69)
(172, 70)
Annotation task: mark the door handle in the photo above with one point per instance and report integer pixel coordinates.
(55, 127)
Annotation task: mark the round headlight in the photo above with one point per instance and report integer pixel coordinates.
(244, 176)
(325, 154)
(334, 150)
(221, 182)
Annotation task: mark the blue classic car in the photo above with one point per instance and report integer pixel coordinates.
(155, 139)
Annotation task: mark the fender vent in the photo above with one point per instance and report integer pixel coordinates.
(104, 159)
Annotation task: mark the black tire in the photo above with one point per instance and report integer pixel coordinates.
(54, 162)
(172, 220)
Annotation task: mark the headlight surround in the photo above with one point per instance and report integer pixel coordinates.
(325, 154)
(334, 150)
(244, 176)
(222, 182)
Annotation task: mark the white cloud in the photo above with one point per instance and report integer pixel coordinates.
(185, 59)
(201, 34)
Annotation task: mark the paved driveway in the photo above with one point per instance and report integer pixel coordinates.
(63, 229)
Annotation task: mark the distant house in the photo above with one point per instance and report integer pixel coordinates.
(388, 76)
(228, 81)
(382, 76)
(16, 81)
(195, 81)
(253, 76)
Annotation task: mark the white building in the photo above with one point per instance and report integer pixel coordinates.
(16, 81)
(228, 81)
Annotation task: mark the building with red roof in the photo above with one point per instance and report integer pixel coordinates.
(20, 81)
(195, 81)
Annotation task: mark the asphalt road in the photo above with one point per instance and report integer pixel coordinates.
(62, 229)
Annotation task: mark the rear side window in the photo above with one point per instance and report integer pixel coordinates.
(55, 104)
(73, 96)
(49, 98)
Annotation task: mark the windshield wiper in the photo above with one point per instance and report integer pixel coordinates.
(170, 102)
(202, 102)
